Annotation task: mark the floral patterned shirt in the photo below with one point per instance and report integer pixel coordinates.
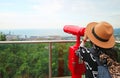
(89, 60)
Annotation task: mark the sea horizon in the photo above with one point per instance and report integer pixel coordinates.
(40, 32)
(34, 32)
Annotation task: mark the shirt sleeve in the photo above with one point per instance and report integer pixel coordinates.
(83, 53)
(90, 62)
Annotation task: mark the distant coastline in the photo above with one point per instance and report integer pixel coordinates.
(41, 32)
(35, 32)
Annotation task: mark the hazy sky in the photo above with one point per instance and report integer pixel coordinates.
(29, 14)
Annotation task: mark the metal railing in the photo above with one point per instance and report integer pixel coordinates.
(43, 41)
(38, 42)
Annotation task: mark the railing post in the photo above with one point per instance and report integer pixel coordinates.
(50, 60)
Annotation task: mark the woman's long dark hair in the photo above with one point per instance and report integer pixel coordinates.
(111, 52)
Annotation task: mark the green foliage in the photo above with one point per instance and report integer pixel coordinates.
(31, 60)
(23, 59)
(60, 50)
(2, 37)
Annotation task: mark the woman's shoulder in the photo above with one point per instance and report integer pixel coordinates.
(83, 50)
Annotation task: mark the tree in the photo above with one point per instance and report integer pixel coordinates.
(2, 37)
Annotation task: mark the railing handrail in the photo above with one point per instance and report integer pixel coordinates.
(39, 41)
(42, 41)
(36, 41)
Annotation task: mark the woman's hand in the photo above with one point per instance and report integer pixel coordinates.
(84, 40)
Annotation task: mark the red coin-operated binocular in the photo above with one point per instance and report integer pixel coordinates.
(75, 64)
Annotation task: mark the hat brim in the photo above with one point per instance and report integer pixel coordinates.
(109, 44)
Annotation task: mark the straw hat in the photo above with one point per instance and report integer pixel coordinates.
(101, 34)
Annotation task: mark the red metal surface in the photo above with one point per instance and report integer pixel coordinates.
(76, 67)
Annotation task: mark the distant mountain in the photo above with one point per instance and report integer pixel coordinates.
(117, 31)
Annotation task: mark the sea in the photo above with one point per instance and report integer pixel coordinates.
(40, 32)
(35, 32)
